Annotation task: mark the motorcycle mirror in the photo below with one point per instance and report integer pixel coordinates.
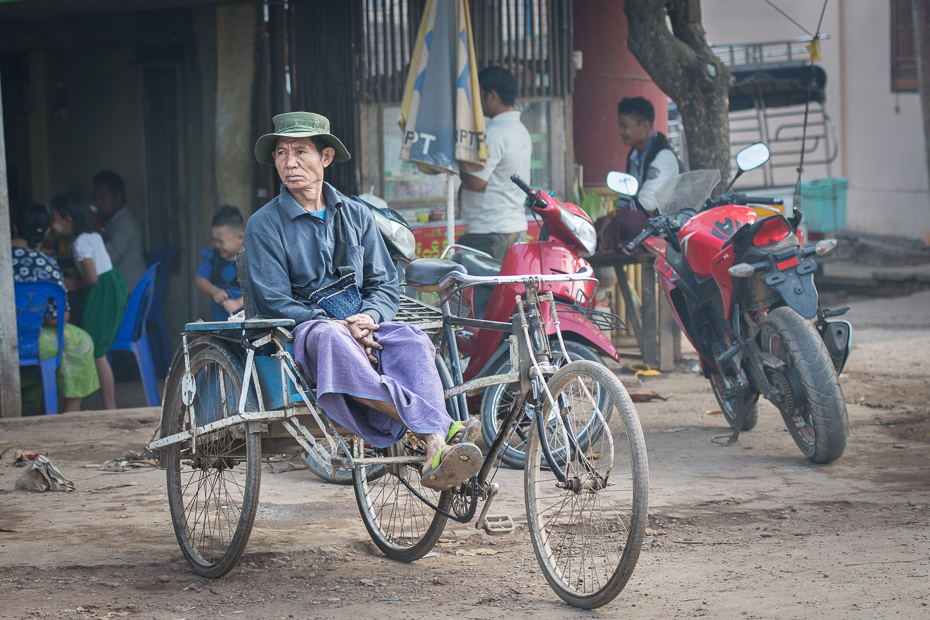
(622, 183)
(748, 159)
(752, 157)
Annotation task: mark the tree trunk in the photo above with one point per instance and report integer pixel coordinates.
(922, 49)
(682, 64)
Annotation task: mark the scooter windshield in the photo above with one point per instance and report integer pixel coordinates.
(687, 191)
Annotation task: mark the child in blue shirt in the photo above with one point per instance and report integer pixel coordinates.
(216, 275)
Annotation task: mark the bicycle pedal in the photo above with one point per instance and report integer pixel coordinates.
(497, 524)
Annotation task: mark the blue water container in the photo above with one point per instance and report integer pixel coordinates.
(824, 204)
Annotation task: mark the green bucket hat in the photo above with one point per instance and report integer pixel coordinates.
(298, 125)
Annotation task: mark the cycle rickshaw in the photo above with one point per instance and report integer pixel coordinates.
(235, 395)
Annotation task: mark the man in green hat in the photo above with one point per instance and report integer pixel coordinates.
(317, 256)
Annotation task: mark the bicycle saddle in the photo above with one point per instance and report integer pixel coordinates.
(425, 274)
(478, 265)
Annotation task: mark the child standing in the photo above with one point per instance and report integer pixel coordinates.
(216, 275)
(103, 289)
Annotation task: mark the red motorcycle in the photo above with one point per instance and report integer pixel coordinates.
(567, 234)
(742, 289)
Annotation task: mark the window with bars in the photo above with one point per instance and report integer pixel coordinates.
(903, 48)
(531, 38)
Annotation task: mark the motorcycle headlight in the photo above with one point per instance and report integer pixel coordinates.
(581, 228)
(398, 234)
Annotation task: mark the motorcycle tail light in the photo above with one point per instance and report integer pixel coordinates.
(772, 231)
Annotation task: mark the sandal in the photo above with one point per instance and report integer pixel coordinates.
(464, 432)
(453, 465)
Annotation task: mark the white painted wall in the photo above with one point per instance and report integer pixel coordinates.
(880, 132)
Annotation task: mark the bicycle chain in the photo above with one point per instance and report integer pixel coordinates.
(471, 511)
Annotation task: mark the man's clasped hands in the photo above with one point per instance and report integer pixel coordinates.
(363, 327)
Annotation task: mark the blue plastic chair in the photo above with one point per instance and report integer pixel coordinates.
(161, 349)
(31, 301)
(132, 335)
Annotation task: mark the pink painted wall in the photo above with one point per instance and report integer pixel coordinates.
(608, 74)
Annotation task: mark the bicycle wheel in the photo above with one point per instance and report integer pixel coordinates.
(497, 400)
(213, 491)
(587, 532)
(398, 521)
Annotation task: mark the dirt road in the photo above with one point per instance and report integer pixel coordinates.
(751, 531)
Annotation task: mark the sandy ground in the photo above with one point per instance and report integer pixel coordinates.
(750, 531)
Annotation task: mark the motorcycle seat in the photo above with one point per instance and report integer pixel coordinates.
(478, 265)
(425, 274)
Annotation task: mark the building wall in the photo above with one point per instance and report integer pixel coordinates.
(609, 73)
(88, 116)
(880, 133)
(235, 72)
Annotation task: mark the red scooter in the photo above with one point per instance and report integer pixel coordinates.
(742, 289)
(567, 234)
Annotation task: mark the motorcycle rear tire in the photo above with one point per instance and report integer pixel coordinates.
(497, 399)
(819, 423)
(731, 407)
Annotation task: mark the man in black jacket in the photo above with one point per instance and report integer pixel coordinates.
(651, 160)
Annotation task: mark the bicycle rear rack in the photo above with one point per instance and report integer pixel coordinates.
(604, 321)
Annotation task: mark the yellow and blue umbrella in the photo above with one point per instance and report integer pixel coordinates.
(441, 111)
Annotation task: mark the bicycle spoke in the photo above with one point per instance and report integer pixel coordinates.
(402, 525)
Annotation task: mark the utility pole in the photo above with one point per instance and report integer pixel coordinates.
(10, 404)
(922, 49)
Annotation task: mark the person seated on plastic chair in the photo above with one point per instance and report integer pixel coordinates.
(76, 377)
(317, 257)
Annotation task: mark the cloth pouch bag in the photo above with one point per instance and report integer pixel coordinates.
(342, 298)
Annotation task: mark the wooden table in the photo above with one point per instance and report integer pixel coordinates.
(652, 320)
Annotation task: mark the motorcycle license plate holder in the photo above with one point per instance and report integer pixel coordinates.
(795, 286)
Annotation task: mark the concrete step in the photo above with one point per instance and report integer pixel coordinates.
(873, 280)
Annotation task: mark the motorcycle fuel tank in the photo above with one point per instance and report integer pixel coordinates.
(703, 236)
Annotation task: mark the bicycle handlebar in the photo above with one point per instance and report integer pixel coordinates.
(585, 274)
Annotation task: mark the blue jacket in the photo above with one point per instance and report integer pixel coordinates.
(287, 247)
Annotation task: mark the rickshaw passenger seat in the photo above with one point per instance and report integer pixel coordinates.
(242, 274)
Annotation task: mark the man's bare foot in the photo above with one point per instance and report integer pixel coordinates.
(434, 445)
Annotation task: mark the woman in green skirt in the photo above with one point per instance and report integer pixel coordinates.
(105, 292)
(77, 374)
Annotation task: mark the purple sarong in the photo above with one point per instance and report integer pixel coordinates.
(406, 374)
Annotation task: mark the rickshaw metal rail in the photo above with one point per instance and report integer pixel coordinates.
(480, 383)
(239, 418)
(791, 51)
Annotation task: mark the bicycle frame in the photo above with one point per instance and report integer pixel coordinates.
(530, 358)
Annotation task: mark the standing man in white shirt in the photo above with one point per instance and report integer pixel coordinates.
(121, 230)
(492, 206)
